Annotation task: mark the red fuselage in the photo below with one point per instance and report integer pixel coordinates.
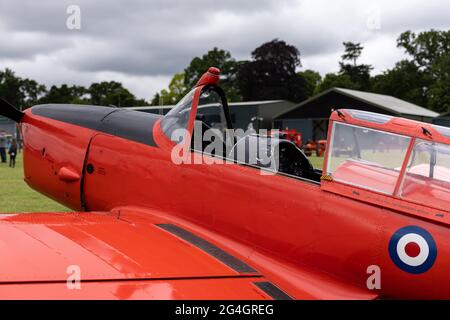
(311, 242)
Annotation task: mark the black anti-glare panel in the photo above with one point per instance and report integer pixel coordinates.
(131, 125)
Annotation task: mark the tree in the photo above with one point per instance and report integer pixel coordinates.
(359, 73)
(430, 51)
(439, 92)
(26, 92)
(427, 47)
(332, 80)
(10, 87)
(103, 93)
(65, 94)
(405, 81)
(352, 52)
(177, 90)
(32, 92)
(351, 75)
(272, 73)
(110, 93)
(156, 100)
(312, 79)
(214, 58)
(19, 92)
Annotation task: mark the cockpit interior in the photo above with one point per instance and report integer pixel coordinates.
(213, 134)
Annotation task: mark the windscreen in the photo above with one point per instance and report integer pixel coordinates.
(178, 118)
(365, 157)
(427, 178)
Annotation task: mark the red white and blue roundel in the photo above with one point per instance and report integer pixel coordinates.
(413, 249)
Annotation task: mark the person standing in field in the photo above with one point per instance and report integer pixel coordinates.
(3, 143)
(12, 153)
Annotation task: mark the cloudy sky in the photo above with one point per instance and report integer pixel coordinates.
(142, 43)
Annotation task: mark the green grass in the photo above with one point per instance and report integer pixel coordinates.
(317, 162)
(16, 196)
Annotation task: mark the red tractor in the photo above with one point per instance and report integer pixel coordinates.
(318, 146)
(289, 134)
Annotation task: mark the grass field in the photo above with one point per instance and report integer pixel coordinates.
(16, 196)
(317, 162)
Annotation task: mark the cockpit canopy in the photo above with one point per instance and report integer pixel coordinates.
(210, 112)
(413, 167)
(201, 122)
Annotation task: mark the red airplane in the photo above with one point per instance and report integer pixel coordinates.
(373, 224)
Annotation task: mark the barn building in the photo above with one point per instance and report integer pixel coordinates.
(8, 125)
(311, 116)
(443, 120)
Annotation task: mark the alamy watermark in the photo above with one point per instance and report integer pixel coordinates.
(373, 21)
(73, 21)
(74, 278)
(374, 280)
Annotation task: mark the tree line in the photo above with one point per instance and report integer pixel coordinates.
(422, 78)
(272, 73)
(26, 92)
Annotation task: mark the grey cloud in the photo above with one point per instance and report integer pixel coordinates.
(102, 16)
(27, 45)
(141, 37)
(157, 38)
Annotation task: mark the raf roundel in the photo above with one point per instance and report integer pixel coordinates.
(413, 249)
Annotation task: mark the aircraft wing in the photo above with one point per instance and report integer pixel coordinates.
(139, 254)
(43, 253)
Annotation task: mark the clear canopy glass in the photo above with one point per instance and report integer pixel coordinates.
(427, 176)
(373, 160)
(175, 122)
(366, 157)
